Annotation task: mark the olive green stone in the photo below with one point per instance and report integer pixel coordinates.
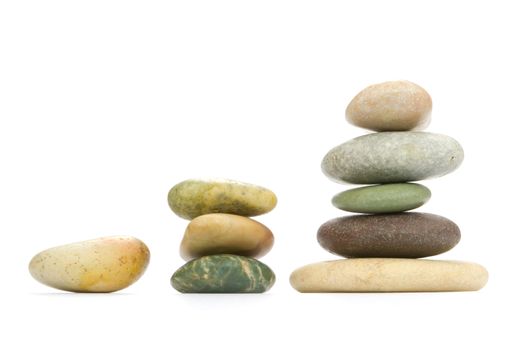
(223, 273)
(192, 198)
(379, 199)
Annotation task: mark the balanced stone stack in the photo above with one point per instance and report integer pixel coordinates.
(221, 242)
(381, 246)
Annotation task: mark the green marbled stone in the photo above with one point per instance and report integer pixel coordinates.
(192, 198)
(223, 273)
(379, 199)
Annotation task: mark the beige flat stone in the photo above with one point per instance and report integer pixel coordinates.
(389, 275)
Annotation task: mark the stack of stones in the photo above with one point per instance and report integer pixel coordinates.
(221, 242)
(383, 244)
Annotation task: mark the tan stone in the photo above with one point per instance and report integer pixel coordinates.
(225, 234)
(389, 275)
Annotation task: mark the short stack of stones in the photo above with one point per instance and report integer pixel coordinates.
(221, 242)
(382, 245)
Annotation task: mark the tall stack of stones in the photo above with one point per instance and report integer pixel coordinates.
(221, 242)
(382, 244)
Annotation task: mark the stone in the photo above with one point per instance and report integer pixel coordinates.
(223, 273)
(392, 157)
(402, 235)
(104, 264)
(379, 199)
(225, 233)
(391, 106)
(192, 198)
(389, 275)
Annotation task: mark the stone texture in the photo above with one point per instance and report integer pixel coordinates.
(392, 157)
(389, 275)
(391, 106)
(105, 264)
(192, 198)
(403, 235)
(225, 233)
(223, 273)
(379, 199)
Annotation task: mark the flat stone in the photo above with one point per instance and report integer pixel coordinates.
(391, 106)
(104, 264)
(389, 275)
(402, 235)
(192, 198)
(225, 233)
(392, 157)
(223, 273)
(379, 199)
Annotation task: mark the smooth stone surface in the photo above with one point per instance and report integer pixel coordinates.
(223, 273)
(379, 199)
(225, 233)
(391, 157)
(402, 235)
(192, 198)
(389, 275)
(104, 264)
(391, 106)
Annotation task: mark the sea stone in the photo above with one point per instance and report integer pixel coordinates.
(192, 198)
(391, 106)
(379, 199)
(402, 235)
(389, 275)
(104, 264)
(223, 273)
(391, 157)
(225, 233)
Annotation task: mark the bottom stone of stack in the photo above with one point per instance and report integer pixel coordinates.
(389, 275)
(223, 273)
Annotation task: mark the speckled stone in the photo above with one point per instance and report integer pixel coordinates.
(391, 106)
(223, 273)
(389, 275)
(192, 198)
(380, 199)
(402, 235)
(391, 157)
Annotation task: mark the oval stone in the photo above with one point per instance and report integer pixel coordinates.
(402, 235)
(379, 199)
(104, 264)
(192, 198)
(391, 157)
(223, 273)
(225, 233)
(391, 106)
(389, 275)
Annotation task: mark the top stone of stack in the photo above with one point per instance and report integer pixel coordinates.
(391, 106)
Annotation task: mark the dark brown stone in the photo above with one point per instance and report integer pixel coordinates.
(402, 235)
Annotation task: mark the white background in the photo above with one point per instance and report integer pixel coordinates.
(104, 105)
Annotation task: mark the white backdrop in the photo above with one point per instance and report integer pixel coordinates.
(104, 105)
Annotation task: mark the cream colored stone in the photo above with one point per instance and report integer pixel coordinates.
(225, 234)
(391, 106)
(389, 275)
(104, 264)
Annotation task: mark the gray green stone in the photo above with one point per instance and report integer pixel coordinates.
(392, 157)
(223, 273)
(380, 199)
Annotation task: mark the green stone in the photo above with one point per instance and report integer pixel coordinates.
(389, 198)
(223, 273)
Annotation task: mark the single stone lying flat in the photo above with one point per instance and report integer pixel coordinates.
(402, 235)
(389, 198)
(224, 273)
(391, 157)
(192, 198)
(225, 233)
(389, 275)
